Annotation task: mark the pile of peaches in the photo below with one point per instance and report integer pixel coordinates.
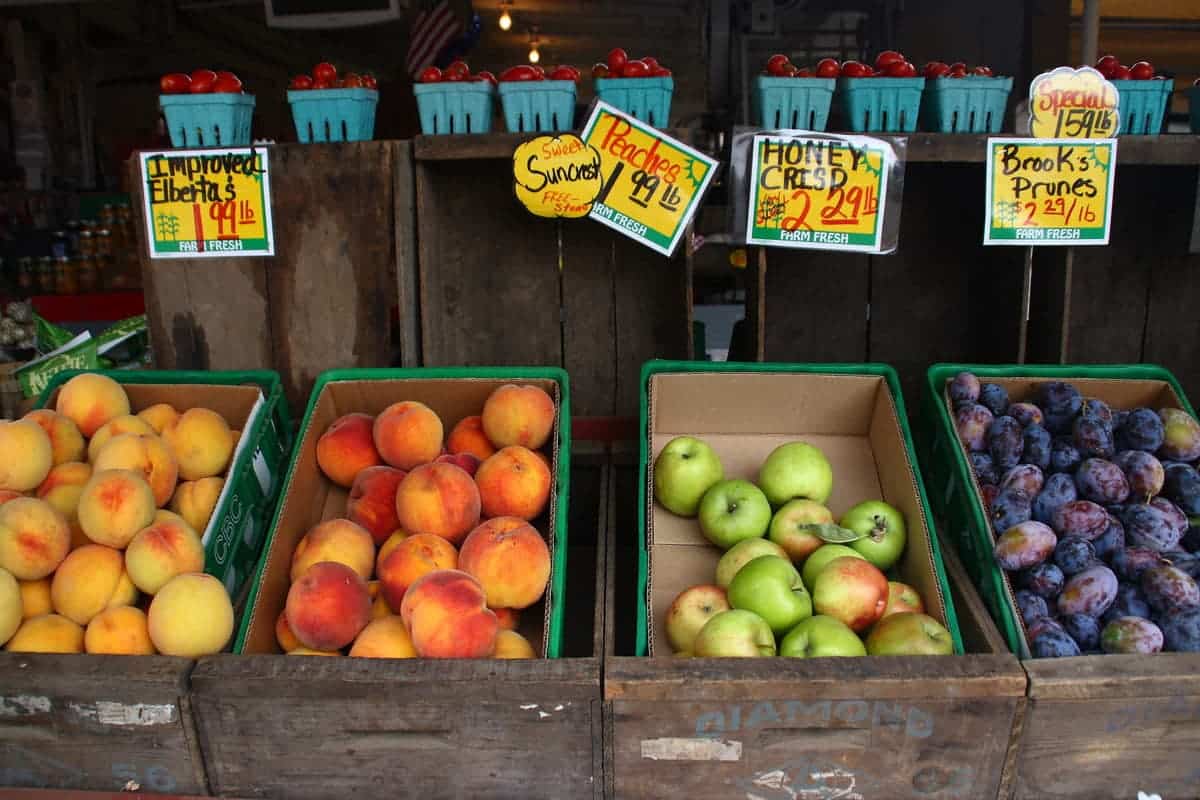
(437, 553)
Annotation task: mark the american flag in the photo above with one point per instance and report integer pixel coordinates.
(435, 27)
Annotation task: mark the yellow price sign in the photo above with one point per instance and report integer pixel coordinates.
(208, 203)
(1068, 103)
(652, 183)
(556, 176)
(1049, 191)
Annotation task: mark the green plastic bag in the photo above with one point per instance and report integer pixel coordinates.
(78, 353)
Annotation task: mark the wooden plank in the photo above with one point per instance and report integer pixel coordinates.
(814, 306)
(405, 204)
(470, 147)
(589, 316)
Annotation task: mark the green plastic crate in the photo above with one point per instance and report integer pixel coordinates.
(556, 591)
(657, 367)
(234, 535)
(955, 494)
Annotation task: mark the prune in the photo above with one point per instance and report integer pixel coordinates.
(1074, 554)
(1143, 471)
(1101, 482)
(1045, 580)
(1090, 592)
(1097, 410)
(1147, 526)
(1032, 607)
(1130, 602)
(1054, 644)
(1181, 435)
(1084, 629)
(1059, 398)
(1181, 485)
(1131, 635)
(1111, 540)
(1092, 438)
(989, 492)
(1167, 587)
(972, 423)
(1140, 429)
(985, 470)
(1037, 447)
(1026, 477)
(1011, 507)
(964, 389)
(1188, 562)
(994, 398)
(1129, 563)
(1006, 441)
(1172, 512)
(1056, 491)
(1080, 518)
(1063, 456)
(1026, 413)
(1181, 631)
(1024, 545)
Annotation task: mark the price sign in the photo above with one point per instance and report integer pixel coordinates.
(208, 203)
(651, 183)
(1049, 191)
(556, 176)
(821, 192)
(1068, 103)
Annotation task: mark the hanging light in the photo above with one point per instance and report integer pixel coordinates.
(505, 17)
(534, 55)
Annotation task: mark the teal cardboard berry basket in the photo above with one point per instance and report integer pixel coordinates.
(334, 115)
(208, 120)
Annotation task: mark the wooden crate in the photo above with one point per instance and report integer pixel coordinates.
(98, 722)
(281, 727)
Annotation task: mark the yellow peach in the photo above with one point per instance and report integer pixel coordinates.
(114, 506)
(25, 455)
(66, 442)
(337, 540)
(11, 606)
(384, 638)
(510, 644)
(521, 415)
(408, 434)
(90, 400)
(86, 581)
(118, 426)
(34, 538)
(202, 443)
(195, 501)
(158, 416)
(35, 598)
(121, 631)
(161, 551)
(49, 633)
(145, 455)
(191, 616)
(63, 486)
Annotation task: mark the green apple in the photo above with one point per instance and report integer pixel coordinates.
(683, 472)
(732, 511)
(796, 470)
(788, 528)
(736, 633)
(820, 636)
(690, 610)
(909, 634)
(883, 531)
(821, 558)
(742, 554)
(852, 590)
(770, 587)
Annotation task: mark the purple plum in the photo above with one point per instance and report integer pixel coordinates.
(1101, 482)
(964, 389)
(1090, 592)
(1131, 635)
(1024, 545)
(972, 423)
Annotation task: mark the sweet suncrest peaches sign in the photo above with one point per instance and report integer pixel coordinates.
(556, 176)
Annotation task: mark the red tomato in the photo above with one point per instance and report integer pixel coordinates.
(324, 83)
(521, 72)
(301, 82)
(958, 66)
(353, 82)
(803, 72)
(899, 69)
(635, 69)
(649, 61)
(887, 58)
(428, 75)
(617, 59)
(777, 64)
(981, 70)
(454, 77)
(458, 68)
(326, 71)
(563, 73)
(540, 70)
(369, 82)
(175, 83)
(227, 84)
(1106, 65)
(1142, 71)
(486, 76)
(599, 70)
(660, 72)
(827, 68)
(855, 69)
(936, 69)
(1122, 73)
(225, 74)
(202, 81)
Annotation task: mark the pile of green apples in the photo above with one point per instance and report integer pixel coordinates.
(792, 581)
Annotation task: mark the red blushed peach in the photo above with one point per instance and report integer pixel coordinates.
(521, 415)
(513, 483)
(347, 448)
(408, 434)
(283, 634)
(337, 540)
(372, 501)
(115, 505)
(509, 618)
(510, 560)
(392, 543)
(144, 455)
(328, 606)
(412, 559)
(66, 442)
(440, 499)
(166, 548)
(446, 615)
(90, 400)
(34, 538)
(9, 494)
(467, 462)
(118, 426)
(468, 437)
(63, 486)
(159, 416)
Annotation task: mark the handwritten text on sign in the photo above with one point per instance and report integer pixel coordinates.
(1049, 191)
(652, 184)
(556, 176)
(1070, 103)
(822, 192)
(208, 203)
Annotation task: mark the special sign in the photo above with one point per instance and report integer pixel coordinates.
(818, 192)
(652, 184)
(556, 176)
(208, 203)
(1049, 191)
(1068, 103)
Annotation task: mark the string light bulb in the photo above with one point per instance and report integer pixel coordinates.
(534, 54)
(505, 17)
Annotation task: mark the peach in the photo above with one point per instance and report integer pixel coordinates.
(468, 437)
(191, 616)
(145, 455)
(347, 447)
(90, 400)
(408, 434)
(115, 505)
(159, 416)
(49, 633)
(308, 651)
(34, 538)
(510, 644)
(337, 540)
(467, 462)
(510, 560)
(521, 415)
(440, 499)
(283, 634)
(11, 606)
(25, 455)
(201, 442)
(63, 486)
(9, 494)
(384, 638)
(126, 594)
(379, 604)
(509, 618)
(121, 631)
(117, 427)
(160, 551)
(86, 581)
(391, 544)
(195, 501)
(328, 606)
(414, 557)
(35, 598)
(446, 615)
(372, 501)
(66, 442)
(513, 483)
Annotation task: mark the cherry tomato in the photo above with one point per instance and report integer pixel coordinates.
(958, 66)
(777, 64)
(600, 70)
(228, 84)
(325, 71)
(428, 75)
(1122, 73)
(454, 77)
(827, 68)
(617, 58)
(323, 83)
(352, 82)
(202, 81)
(896, 69)
(225, 74)
(635, 69)
(485, 76)
(803, 72)
(301, 82)
(650, 61)
(369, 82)
(564, 72)
(540, 70)
(982, 70)
(175, 83)
(521, 72)
(1106, 65)
(660, 72)
(936, 69)
(887, 58)
(855, 69)
(1142, 71)
(458, 68)
(789, 71)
